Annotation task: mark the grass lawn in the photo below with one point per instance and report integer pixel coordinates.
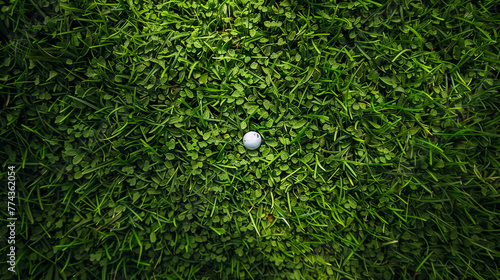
(121, 139)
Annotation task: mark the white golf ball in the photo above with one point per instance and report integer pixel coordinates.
(252, 140)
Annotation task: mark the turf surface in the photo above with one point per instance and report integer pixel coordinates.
(122, 124)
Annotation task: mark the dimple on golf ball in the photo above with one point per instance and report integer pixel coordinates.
(252, 140)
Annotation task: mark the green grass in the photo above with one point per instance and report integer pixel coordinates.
(124, 122)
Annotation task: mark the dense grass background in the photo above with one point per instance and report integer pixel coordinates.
(124, 121)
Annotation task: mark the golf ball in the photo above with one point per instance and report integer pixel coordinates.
(252, 140)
